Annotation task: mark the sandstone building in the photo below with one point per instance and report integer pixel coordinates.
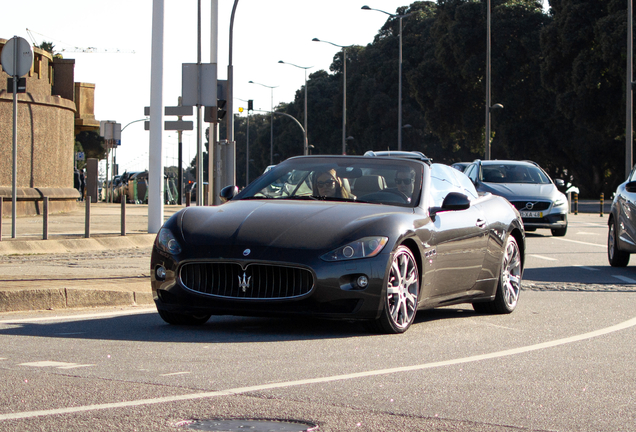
(52, 111)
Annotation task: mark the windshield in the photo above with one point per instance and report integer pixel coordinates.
(341, 178)
(509, 173)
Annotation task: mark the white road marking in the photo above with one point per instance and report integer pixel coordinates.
(604, 246)
(543, 257)
(55, 364)
(176, 373)
(625, 279)
(586, 268)
(97, 315)
(280, 385)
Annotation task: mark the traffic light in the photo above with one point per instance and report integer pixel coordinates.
(220, 109)
(250, 105)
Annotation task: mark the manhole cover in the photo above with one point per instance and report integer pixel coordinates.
(251, 425)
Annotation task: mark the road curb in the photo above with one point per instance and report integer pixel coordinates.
(68, 298)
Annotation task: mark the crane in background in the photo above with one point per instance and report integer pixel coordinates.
(87, 50)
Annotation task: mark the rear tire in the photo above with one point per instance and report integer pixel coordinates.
(616, 257)
(509, 284)
(402, 293)
(183, 319)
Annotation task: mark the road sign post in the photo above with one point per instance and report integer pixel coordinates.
(17, 59)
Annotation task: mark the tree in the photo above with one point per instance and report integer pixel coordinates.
(47, 46)
(92, 144)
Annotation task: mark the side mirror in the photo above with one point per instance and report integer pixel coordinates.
(559, 182)
(228, 192)
(631, 187)
(455, 201)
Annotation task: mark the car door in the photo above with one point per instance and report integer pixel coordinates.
(627, 212)
(460, 238)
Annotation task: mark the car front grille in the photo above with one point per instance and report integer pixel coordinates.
(535, 205)
(255, 281)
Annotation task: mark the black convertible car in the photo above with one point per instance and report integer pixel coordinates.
(371, 238)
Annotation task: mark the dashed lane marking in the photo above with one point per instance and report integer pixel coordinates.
(55, 364)
(280, 385)
(543, 257)
(625, 279)
(586, 268)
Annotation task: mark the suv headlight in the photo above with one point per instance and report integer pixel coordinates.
(364, 248)
(560, 201)
(167, 242)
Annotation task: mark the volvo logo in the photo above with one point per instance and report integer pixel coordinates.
(530, 205)
(246, 252)
(244, 284)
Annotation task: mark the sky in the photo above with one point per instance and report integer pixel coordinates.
(264, 33)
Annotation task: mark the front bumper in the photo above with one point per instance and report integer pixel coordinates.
(334, 293)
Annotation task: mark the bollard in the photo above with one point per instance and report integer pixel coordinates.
(602, 199)
(576, 203)
(188, 199)
(45, 218)
(87, 218)
(123, 215)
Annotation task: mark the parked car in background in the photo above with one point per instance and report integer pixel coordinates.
(460, 166)
(409, 235)
(621, 221)
(528, 187)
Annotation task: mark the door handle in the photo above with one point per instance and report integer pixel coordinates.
(480, 223)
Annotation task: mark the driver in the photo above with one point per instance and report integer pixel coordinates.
(328, 184)
(405, 181)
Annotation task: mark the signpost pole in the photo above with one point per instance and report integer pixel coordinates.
(14, 181)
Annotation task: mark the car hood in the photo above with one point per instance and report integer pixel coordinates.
(523, 191)
(260, 225)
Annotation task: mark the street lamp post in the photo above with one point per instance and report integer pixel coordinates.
(629, 94)
(399, 70)
(271, 121)
(306, 146)
(344, 91)
(488, 102)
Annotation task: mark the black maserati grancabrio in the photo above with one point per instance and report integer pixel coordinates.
(371, 238)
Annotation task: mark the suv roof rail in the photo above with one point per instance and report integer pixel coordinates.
(401, 154)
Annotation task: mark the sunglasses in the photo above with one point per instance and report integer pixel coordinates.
(403, 181)
(328, 183)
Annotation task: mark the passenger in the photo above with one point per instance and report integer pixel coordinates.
(328, 184)
(405, 181)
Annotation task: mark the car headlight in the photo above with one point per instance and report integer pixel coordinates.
(364, 248)
(560, 201)
(167, 242)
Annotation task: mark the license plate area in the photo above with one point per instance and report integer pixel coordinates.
(531, 214)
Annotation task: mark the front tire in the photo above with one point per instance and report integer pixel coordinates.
(402, 293)
(559, 232)
(616, 257)
(174, 318)
(509, 284)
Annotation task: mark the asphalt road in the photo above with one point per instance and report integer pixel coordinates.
(563, 361)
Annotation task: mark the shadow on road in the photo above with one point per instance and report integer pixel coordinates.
(148, 327)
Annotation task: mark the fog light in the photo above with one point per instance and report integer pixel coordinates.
(160, 273)
(363, 281)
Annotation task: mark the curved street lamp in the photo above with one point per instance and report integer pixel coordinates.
(344, 90)
(399, 71)
(306, 147)
(271, 121)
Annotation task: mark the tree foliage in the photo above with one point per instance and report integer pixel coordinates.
(91, 144)
(559, 75)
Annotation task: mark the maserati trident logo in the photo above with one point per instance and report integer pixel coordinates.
(244, 284)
